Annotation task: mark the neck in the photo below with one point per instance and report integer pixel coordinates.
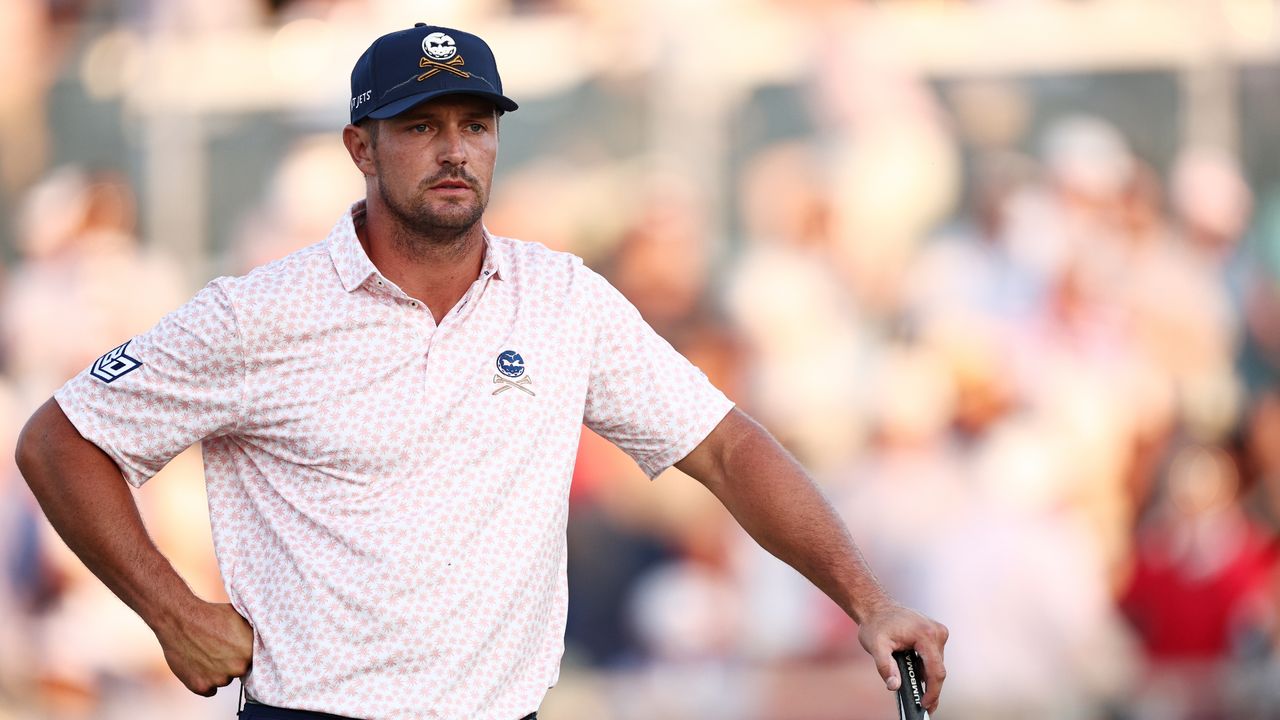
(439, 248)
(435, 268)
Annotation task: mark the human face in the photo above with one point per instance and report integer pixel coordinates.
(434, 164)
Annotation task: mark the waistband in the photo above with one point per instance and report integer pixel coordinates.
(258, 711)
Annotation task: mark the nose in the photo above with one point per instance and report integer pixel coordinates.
(453, 150)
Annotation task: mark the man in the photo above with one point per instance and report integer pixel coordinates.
(389, 423)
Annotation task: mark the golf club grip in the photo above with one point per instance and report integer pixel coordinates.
(911, 689)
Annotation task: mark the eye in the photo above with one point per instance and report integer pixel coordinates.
(477, 127)
(420, 128)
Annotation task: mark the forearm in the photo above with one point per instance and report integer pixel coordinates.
(777, 503)
(92, 508)
(774, 499)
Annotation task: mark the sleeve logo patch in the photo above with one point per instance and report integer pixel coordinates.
(115, 364)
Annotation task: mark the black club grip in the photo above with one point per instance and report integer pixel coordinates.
(911, 691)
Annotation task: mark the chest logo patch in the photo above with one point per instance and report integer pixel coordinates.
(511, 373)
(115, 364)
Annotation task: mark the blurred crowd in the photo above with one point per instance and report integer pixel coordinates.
(1037, 372)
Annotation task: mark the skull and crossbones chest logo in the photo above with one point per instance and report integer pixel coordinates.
(511, 373)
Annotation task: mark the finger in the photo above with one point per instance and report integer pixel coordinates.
(887, 666)
(935, 672)
(209, 689)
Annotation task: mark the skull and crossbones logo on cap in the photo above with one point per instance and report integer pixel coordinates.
(439, 46)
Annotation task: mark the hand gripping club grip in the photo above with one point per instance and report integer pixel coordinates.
(911, 689)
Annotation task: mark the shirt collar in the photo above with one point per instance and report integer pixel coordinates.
(349, 258)
(497, 256)
(354, 266)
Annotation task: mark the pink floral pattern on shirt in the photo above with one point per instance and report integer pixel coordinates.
(388, 502)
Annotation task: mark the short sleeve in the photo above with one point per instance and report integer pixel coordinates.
(149, 399)
(643, 396)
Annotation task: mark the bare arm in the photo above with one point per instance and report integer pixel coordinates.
(773, 498)
(87, 501)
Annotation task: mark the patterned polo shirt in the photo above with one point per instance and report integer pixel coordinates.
(388, 496)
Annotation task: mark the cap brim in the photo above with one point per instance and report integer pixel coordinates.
(392, 109)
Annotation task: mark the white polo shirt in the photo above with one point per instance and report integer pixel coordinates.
(388, 496)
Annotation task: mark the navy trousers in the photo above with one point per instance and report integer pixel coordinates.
(258, 711)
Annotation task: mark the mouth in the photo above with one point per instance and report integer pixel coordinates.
(451, 185)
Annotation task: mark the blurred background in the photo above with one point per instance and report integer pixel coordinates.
(1004, 274)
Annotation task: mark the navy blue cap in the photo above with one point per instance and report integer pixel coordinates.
(408, 67)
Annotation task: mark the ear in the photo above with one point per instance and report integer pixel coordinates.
(359, 142)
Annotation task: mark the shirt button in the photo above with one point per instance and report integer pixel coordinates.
(379, 283)
(413, 303)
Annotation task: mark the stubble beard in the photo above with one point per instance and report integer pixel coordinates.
(425, 233)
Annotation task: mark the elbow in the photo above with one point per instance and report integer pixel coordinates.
(50, 452)
(725, 455)
(32, 445)
(25, 451)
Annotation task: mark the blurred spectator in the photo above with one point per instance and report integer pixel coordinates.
(1017, 561)
(314, 183)
(1200, 585)
(801, 325)
(892, 165)
(1262, 433)
(85, 285)
(28, 62)
(911, 469)
(661, 262)
(624, 533)
(24, 586)
(1212, 201)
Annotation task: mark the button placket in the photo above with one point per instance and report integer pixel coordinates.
(426, 325)
(473, 293)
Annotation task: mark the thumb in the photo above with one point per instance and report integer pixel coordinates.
(888, 668)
